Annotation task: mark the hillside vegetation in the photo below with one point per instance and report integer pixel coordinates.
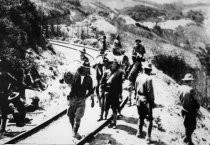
(20, 30)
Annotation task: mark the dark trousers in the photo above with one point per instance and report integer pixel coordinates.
(136, 67)
(4, 107)
(76, 111)
(189, 123)
(144, 109)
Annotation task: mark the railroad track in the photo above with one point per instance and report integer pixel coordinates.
(73, 44)
(46, 123)
(43, 125)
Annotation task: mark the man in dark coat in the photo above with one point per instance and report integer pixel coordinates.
(144, 100)
(111, 83)
(81, 88)
(100, 67)
(190, 106)
(7, 80)
(103, 45)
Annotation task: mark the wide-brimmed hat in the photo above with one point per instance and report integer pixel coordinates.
(13, 96)
(188, 77)
(138, 40)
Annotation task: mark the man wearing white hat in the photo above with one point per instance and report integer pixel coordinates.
(190, 106)
(145, 100)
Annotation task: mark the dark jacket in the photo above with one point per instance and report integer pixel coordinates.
(99, 71)
(144, 88)
(6, 80)
(80, 90)
(188, 101)
(112, 82)
(137, 52)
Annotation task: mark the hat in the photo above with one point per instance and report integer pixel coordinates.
(118, 36)
(84, 50)
(188, 77)
(105, 59)
(86, 63)
(138, 40)
(147, 65)
(68, 77)
(13, 96)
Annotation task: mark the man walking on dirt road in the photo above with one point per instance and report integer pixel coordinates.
(81, 88)
(190, 107)
(145, 100)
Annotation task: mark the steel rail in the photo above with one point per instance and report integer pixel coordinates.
(73, 49)
(26, 134)
(66, 42)
(36, 129)
(107, 122)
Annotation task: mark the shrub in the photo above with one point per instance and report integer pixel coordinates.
(196, 16)
(73, 2)
(173, 66)
(141, 13)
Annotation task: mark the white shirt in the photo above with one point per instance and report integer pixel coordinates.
(82, 78)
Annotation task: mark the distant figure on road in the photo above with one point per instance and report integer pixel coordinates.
(103, 45)
(136, 67)
(81, 88)
(190, 107)
(117, 46)
(101, 66)
(83, 56)
(145, 100)
(111, 83)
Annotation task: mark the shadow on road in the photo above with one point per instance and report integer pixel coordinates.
(104, 139)
(130, 130)
(131, 120)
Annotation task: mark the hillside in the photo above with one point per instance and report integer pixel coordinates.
(170, 29)
(173, 51)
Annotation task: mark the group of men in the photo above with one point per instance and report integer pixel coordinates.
(110, 75)
(12, 96)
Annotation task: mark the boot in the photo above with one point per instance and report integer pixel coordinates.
(75, 134)
(139, 133)
(3, 125)
(114, 121)
(106, 114)
(101, 116)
